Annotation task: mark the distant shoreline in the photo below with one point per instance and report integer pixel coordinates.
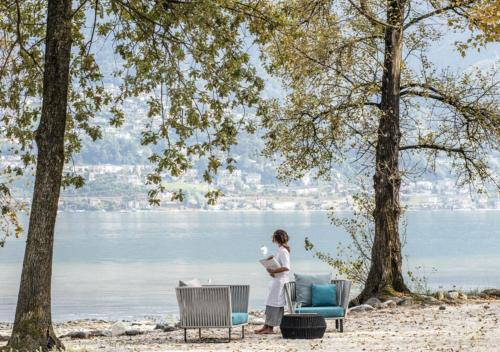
(164, 210)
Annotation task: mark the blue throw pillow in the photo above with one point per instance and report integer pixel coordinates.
(324, 295)
(303, 285)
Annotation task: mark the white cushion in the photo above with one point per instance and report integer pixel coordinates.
(189, 283)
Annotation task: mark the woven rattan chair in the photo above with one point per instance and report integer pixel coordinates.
(213, 307)
(338, 312)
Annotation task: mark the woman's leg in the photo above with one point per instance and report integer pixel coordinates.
(273, 318)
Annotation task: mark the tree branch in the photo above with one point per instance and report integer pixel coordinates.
(433, 146)
(374, 20)
(20, 38)
(436, 12)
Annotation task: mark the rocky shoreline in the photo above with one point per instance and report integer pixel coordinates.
(416, 324)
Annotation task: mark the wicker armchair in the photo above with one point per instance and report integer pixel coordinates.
(213, 307)
(338, 312)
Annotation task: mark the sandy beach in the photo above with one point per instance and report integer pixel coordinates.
(472, 325)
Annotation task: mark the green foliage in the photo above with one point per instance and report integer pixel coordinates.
(353, 260)
(188, 60)
(330, 59)
(9, 223)
(419, 280)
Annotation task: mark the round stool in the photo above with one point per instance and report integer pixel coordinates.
(303, 326)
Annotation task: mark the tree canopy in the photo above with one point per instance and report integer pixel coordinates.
(330, 59)
(188, 60)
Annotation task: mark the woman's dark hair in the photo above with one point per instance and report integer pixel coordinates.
(281, 238)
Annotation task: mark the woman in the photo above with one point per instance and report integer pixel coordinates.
(275, 304)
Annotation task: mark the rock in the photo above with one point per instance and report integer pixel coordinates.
(452, 294)
(389, 304)
(133, 332)
(462, 296)
(396, 299)
(361, 308)
(492, 292)
(429, 299)
(372, 301)
(164, 327)
(442, 307)
(440, 295)
(118, 329)
(408, 301)
(256, 321)
(77, 335)
(99, 333)
(4, 338)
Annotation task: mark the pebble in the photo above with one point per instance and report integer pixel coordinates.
(133, 332)
(492, 292)
(372, 301)
(361, 308)
(442, 307)
(406, 301)
(164, 327)
(77, 334)
(100, 333)
(118, 329)
(389, 304)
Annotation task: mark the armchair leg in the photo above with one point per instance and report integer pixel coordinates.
(229, 334)
(243, 332)
(185, 335)
(341, 325)
(199, 333)
(336, 324)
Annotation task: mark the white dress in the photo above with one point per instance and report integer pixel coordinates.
(276, 295)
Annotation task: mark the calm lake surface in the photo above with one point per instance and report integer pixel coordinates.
(126, 265)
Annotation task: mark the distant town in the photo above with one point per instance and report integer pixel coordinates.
(122, 188)
(115, 170)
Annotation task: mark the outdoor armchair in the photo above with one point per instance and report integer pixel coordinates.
(337, 312)
(213, 307)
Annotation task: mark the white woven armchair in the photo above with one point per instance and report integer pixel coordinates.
(213, 307)
(337, 312)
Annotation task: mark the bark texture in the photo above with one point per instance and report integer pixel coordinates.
(33, 321)
(385, 275)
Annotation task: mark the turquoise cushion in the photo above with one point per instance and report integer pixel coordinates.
(239, 318)
(303, 284)
(324, 295)
(327, 312)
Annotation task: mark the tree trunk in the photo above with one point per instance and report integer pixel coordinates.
(33, 322)
(385, 275)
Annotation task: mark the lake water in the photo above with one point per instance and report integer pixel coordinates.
(126, 265)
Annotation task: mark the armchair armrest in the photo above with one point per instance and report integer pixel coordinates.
(290, 296)
(240, 296)
(343, 293)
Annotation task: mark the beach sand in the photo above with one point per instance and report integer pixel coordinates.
(466, 326)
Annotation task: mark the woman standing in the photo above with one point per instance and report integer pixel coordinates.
(275, 304)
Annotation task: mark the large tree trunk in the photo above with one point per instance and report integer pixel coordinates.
(385, 275)
(33, 322)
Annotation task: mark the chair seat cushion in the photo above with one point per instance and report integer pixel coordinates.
(239, 318)
(327, 312)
